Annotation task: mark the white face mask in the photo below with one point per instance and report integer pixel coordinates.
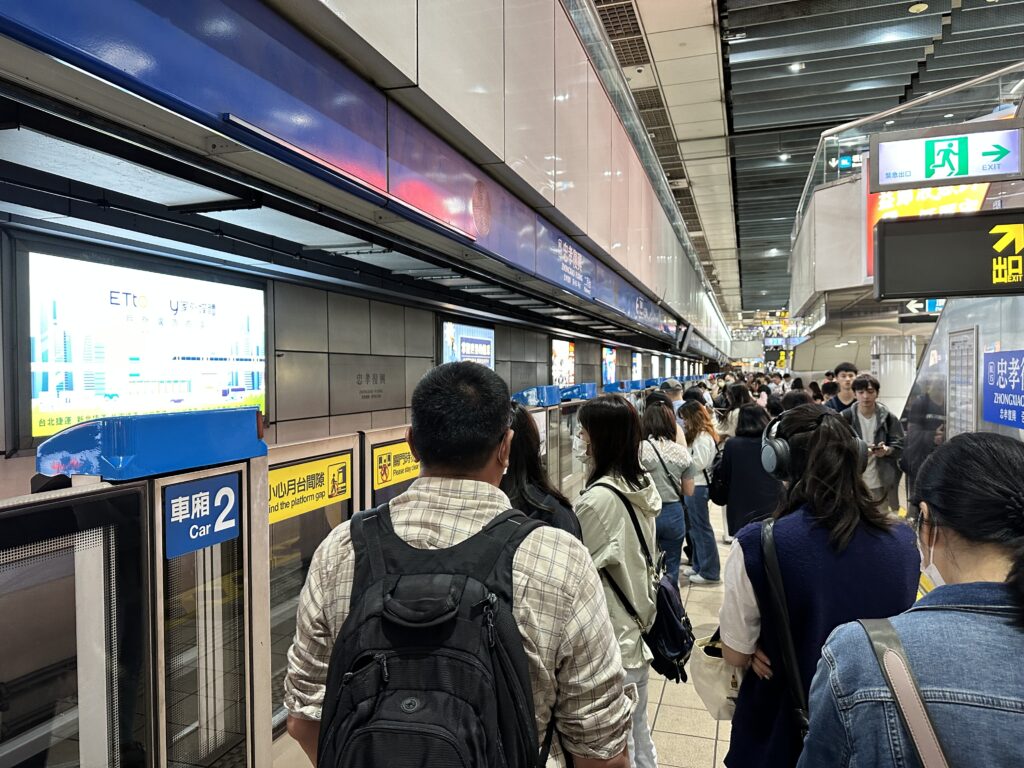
(930, 570)
(579, 448)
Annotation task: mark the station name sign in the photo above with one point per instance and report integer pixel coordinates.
(980, 254)
(946, 155)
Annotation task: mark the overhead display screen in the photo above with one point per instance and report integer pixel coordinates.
(638, 366)
(563, 362)
(467, 342)
(114, 341)
(608, 359)
(980, 254)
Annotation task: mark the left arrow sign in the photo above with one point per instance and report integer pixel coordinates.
(915, 306)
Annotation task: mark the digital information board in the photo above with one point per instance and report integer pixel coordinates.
(980, 254)
(467, 342)
(563, 362)
(609, 355)
(108, 340)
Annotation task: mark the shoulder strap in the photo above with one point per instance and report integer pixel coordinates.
(633, 518)
(366, 528)
(777, 600)
(663, 464)
(623, 599)
(892, 661)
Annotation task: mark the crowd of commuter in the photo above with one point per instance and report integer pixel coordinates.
(808, 477)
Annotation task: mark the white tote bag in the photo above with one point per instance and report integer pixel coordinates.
(716, 681)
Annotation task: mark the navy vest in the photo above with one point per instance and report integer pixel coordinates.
(875, 576)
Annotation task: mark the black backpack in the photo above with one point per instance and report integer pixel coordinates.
(429, 667)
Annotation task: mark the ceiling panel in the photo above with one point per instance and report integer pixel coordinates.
(659, 15)
(693, 93)
(819, 63)
(683, 43)
(688, 70)
(697, 113)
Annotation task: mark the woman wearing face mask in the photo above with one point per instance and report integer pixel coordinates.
(616, 483)
(964, 640)
(841, 559)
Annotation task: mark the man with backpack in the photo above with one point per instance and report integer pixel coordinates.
(445, 629)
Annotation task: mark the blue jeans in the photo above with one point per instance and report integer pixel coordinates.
(705, 548)
(671, 529)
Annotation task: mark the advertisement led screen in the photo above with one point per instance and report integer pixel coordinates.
(563, 363)
(608, 359)
(467, 342)
(655, 367)
(114, 341)
(638, 366)
(668, 367)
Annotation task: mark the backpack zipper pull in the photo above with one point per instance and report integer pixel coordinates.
(382, 660)
(491, 601)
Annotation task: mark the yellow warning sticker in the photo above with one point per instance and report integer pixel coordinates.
(393, 463)
(300, 488)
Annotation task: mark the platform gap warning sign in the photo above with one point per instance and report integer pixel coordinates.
(305, 486)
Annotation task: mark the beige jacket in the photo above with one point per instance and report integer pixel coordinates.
(611, 539)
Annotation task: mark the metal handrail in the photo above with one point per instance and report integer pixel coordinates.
(853, 124)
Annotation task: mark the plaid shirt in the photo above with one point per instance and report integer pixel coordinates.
(559, 606)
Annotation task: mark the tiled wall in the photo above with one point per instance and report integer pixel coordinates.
(343, 363)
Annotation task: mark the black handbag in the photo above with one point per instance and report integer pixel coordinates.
(718, 492)
(670, 638)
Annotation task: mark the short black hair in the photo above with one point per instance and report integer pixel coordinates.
(776, 374)
(866, 381)
(460, 412)
(830, 373)
(796, 397)
(751, 421)
(657, 397)
(774, 406)
(830, 389)
(693, 394)
(846, 368)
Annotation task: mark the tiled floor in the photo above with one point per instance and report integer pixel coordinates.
(684, 734)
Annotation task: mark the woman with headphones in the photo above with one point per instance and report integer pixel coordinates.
(840, 559)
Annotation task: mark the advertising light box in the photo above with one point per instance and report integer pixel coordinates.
(563, 363)
(608, 359)
(114, 341)
(467, 342)
(638, 366)
(655, 367)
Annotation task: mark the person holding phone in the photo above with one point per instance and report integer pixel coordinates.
(881, 430)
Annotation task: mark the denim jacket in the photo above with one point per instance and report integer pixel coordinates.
(966, 656)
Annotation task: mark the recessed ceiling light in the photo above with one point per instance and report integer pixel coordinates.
(918, 8)
(784, 156)
(797, 66)
(948, 115)
(890, 122)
